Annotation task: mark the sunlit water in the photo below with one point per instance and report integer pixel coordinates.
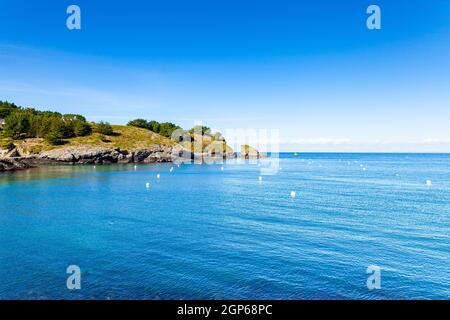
(200, 232)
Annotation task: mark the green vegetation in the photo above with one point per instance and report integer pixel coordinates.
(165, 128)
(33, 131)
(104, 128)
(6, 108)
(22, 123)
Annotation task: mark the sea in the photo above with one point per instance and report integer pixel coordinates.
(293, 226)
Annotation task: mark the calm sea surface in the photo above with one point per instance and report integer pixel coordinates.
(200, 232)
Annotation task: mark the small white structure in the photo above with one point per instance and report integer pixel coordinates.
(429, 183)
(293, 194)
(260, 178)
(171, 169)
(158, 176)
(147, 185)
(221, 169)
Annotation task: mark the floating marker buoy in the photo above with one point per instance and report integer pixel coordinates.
(260, 178)
(364, 169)
(135, 167)
(221, 169)
(147, 185)
(158, 176)
(171, 169)
(293, 194)
(429, 183)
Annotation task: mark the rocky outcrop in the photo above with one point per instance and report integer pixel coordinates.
(16, 159)
(248, 152)
(98, 155)
(12, 164)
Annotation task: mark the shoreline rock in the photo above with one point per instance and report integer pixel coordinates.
(16, 160)
(12, 164)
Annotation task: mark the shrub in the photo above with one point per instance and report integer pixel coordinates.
(140, 123)
(154, 126)
(104, 128)
(54, 138)
(82, 129)
(167, 128)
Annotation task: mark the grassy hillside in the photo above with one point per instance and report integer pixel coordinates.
(124, 137)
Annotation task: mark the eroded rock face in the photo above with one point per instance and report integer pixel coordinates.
(82, 155)
(86, 155)
(12, 165)
(15, 160)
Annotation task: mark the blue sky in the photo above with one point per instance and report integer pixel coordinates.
(310, 69)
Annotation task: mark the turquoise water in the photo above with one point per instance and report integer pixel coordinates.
(203, 233)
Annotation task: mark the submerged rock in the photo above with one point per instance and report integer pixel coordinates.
(11, 164)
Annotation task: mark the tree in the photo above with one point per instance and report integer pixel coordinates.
(6, 108)
(54, 138)
(140, 123)
(82, 129)
(154, 126)
(167, 128)
(104, 128)
(17, 125)
(200, 129)
(77, 125)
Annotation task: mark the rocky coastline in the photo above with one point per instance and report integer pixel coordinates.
(15, 159)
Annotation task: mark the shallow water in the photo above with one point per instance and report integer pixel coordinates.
(203, 233)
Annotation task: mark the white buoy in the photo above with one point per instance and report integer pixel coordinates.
(171, 169)
(364, 169)
(178, 165)
(147, 185)
(293, 194)
(260, 178)
(95, 167)
(221, 169)
(135, 167)
(158, 176)
(429, 183)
